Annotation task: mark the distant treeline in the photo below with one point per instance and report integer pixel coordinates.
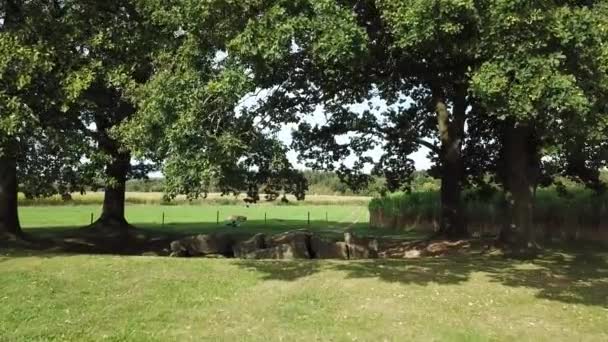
(322, 183)
(146, 185)
(319, 183)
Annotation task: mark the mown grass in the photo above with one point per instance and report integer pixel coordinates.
(203, 217)
(330, 221)
(96, 198)
(47, 297)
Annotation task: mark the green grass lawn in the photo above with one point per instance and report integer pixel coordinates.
(562, 296)
(63, 224)
(90, 298)
(151, 215)
(195, 219)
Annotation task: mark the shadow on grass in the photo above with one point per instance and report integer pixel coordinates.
(569, 278)
(151, 237)
(282, 269)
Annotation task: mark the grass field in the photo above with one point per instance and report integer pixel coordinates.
(47, 216)
(196, 219)
(561, 297)
(46, 296)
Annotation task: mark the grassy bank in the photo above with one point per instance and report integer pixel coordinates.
(579, 207)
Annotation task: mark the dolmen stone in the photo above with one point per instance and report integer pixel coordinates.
(289, 245)
(297, 240)
(360, 247)
(303, 244)
(283, 251)
(323, 249)
(203, 244)
(244, 248)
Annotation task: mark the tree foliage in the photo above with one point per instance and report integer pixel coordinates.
(190, 114)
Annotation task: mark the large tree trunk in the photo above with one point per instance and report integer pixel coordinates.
(9, 217)
(112, 219)
(113, 212)
(520, 161)
(451, 132)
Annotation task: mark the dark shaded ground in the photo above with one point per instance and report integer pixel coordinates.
(156, 238)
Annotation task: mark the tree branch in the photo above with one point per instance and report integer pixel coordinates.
(428, 145)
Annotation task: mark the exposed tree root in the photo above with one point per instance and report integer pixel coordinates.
(111, 228)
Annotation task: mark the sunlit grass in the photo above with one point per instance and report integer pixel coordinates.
(45, 216)
(91, 298)
(45, 296)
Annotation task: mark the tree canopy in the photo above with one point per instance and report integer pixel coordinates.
(499, 66)
(507, 94)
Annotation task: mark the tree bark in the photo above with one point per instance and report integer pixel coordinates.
(112, 217)
(521, 168)
(451, 133)
(9, 216)
(113, 212)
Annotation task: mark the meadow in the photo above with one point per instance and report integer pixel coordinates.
(51, 296)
